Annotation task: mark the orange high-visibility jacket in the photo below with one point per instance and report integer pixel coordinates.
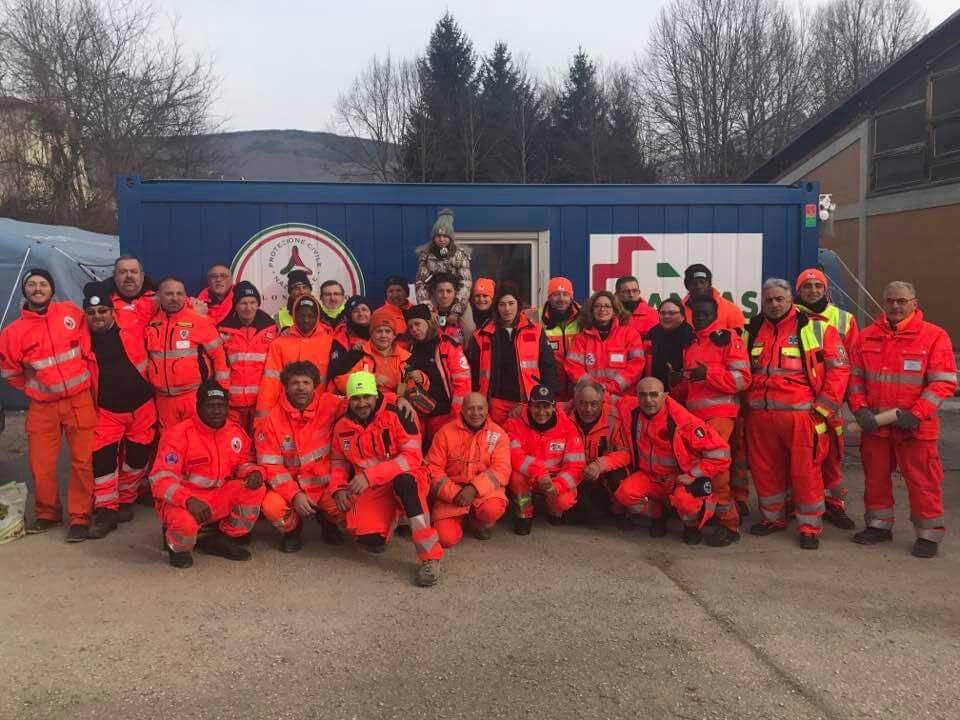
(288, 348)
(644, 317)
(560, 336)
(134, 314)
(176, 345)
(911, 368)
(391, 366)
(798, 363)
(46, 355)
(557, 450)
(217, 311)
(460, 456)
(382, 449)
(601, 442)
(246, 348)
(454, 371)
(724, 354)
(193, 456)
(527, 345)
(616, 363)
(293, 446)
(729, 315)
(672, 442)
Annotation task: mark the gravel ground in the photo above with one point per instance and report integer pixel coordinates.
(567, 623)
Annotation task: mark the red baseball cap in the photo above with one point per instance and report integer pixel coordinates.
(557, 284)
(811, 274)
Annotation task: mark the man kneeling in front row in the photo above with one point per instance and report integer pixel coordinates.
(204, 472)
(381, 450)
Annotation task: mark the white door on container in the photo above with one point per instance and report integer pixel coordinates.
(521, 257)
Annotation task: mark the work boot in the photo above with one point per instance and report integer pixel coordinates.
(743, 510)
(373, 543)
(428, 574)
(625, 522)
(872, 536)
(722, 537)
(658, 527)
(290, 542)
(809, 541)
(78, 533)
(125, 512)
(924, 548)
(555, 519)
(692, 536)
(41, 525)
(104, 523)
(764, 528)
(329, 531)
(838, 516)
(181, 560)
(481, 533)
(523, 526)
(222, 546)
(244, 540)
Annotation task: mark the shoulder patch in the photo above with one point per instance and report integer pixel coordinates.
(700, 432)
(720, 338)
(171, 458)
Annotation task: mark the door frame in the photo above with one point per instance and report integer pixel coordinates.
(539, 240)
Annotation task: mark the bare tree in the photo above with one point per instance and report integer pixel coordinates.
(108, 93)
(852, 40)
(376, 109)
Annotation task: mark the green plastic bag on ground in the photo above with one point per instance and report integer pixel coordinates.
(13, 503)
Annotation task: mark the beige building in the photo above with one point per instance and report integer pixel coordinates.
(890, 158)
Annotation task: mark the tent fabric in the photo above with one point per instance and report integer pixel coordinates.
(74, 257)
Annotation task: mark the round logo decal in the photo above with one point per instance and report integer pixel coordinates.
(236, 444)
(272, 254)
(69, 323)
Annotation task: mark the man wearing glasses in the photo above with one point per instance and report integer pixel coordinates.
(902, 362)
(218, 294)
(126, 413)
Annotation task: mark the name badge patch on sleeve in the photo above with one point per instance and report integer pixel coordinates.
(914, 365)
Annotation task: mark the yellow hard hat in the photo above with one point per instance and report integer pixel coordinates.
(361, 383)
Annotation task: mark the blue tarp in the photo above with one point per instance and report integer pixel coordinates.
(73, 257)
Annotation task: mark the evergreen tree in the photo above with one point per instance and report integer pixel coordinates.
(579, 125)
(623, 155)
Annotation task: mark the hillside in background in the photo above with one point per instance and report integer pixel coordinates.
(290, 155)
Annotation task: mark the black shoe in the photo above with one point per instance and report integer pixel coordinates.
(554, 519)
(373, 543)
(722, 537)
(222, 546)
(764, 528)
(924, 548)
(481, 533)
(872, 536)
(329, 531)
(692, 536)
(181, 560)
(658, 527)
(78, 533)
(104, 523)
(41, 525)
(290, 542)
(743, 510)
(244, 540)
(838, 516)
(403, 531)
(809, 542)
(125, 513)
(523, 526)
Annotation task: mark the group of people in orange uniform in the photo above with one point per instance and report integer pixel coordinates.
(439, 415)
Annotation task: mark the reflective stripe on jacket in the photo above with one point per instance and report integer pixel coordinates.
(724, 355)
(557, 451)
(617, 362)
(176, 345)
(601, 442)
(46, 355)
(246, 348)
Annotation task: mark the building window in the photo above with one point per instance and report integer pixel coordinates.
(919, 142)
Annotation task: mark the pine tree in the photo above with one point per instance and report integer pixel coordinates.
(623, 157)
(579, 124)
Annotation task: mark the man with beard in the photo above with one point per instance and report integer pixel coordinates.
(642, 316)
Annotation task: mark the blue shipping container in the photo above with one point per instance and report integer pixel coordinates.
(361, 233)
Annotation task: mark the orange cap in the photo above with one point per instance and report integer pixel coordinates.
(557, 284)
(811, 274)
(484, 286)
(383, 316)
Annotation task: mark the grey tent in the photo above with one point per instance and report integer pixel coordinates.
(74, 257)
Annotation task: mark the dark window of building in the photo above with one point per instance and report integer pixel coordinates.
(946, 171)
(900, 128)
(946, 94)
(946, 137)
(892, 171)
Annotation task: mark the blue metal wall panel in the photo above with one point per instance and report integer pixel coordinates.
(182, 227)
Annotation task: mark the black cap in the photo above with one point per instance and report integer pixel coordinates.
(298, 276)
(95, 294)
(697, 270)
(42, 272)
(395, 280)
(245, 289)
(542, 393)
(354, 302)
(420, 311)
(211, 390)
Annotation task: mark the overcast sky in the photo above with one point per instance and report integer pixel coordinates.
(283, 62)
